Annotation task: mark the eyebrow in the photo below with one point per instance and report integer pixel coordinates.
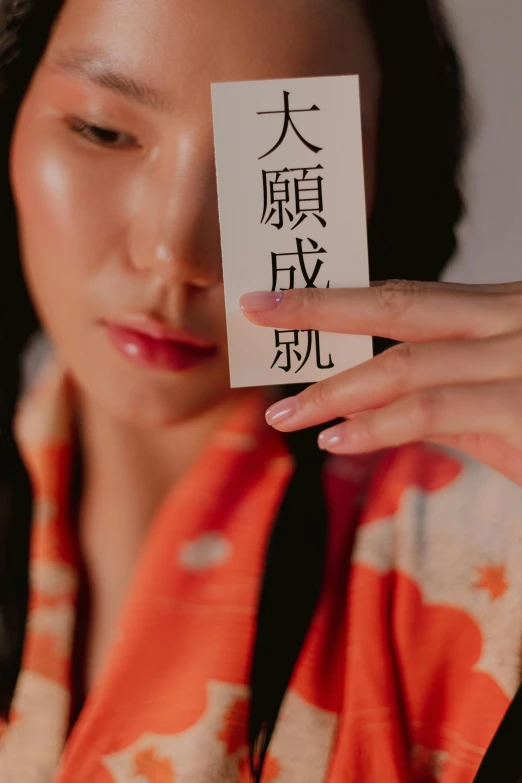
(93, 66)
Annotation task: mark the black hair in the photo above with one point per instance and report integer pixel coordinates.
(411, 235)
(422, 134)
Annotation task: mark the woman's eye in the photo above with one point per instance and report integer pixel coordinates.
(105, 137)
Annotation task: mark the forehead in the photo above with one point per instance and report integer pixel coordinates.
(179, 46)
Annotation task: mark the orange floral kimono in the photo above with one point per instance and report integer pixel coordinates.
(410, 664)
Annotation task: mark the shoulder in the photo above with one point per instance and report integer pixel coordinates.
(436, 498)
(433, 609)
(442, 534)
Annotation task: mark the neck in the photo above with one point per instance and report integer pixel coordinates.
(128, 471)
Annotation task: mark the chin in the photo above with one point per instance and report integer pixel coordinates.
(144, 401)
(142, 397)
(161, 414)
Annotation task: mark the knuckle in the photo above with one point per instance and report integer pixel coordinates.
(427, 405)
(511, 310)
(501, 313)
(368, 425)
(509, 346)
(516, 387)
(311, 398)
(513, 287)
(397, 362)
(317, 396)
(394, 296)
(304, 299)
(508, 400)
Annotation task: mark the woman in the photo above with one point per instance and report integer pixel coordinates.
(183, 550)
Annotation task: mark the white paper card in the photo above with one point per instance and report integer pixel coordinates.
(292, 214)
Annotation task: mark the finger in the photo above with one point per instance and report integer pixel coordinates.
(400, 310)
(485, 288)
(492, 408)
(400, 370)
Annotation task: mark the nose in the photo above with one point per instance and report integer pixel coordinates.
(175, 231)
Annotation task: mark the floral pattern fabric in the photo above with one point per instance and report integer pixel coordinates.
(410, 663)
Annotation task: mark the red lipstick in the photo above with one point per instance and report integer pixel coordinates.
(152, 343)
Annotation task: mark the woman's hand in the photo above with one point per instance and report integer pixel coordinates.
(455, 379)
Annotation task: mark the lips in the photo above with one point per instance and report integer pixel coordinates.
(148, 342)
(160, 330)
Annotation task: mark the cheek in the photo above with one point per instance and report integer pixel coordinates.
(63, 204)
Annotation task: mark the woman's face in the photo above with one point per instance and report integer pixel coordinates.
(120, 221)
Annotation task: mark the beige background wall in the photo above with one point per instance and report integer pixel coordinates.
(490, 36)
(489, 33)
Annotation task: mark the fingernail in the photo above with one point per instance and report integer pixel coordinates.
(280, 411)
(260, 301)
(332, 437)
